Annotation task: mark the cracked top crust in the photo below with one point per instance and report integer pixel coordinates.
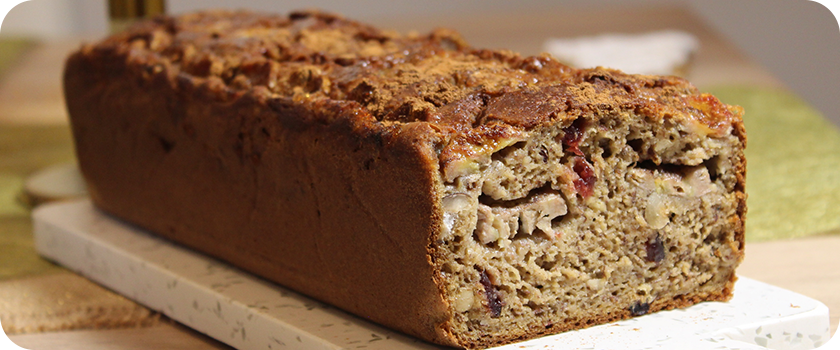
(475, 100)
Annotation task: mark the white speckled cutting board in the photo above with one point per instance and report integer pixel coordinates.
(249, 313)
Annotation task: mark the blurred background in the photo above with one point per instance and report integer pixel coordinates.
(798, 41)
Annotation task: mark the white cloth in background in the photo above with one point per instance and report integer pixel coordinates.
(661, 52)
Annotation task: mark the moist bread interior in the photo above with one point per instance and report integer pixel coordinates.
(613, 213)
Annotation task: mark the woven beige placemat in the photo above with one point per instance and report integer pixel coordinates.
(66, 301)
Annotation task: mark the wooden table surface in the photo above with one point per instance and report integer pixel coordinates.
(30, 94)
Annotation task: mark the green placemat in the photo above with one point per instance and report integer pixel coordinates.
(24, 150)
(10, 50)
(793, 164)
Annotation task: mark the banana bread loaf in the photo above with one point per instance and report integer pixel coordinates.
(468, 197)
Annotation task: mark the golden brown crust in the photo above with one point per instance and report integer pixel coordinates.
(188, 158)
(436, 78)
(354, 128)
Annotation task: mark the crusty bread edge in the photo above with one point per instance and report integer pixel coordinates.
(112, 102)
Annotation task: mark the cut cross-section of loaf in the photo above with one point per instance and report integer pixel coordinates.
(468, 197)
(603, 214)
